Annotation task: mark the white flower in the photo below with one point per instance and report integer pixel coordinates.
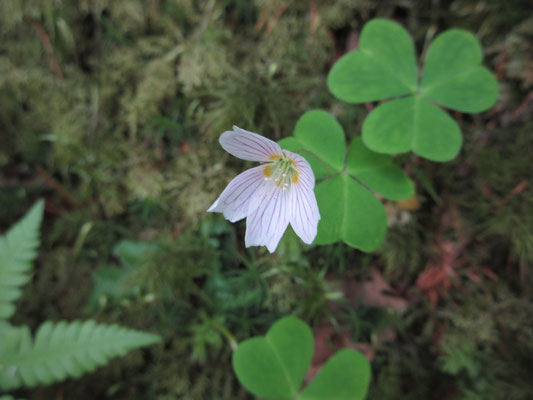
(270, 196)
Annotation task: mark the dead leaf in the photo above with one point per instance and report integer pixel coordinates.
(374, 292)
(411, 204)
(328, 342)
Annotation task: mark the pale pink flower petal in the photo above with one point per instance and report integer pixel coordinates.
(304, 215)
(268, 218)
(234, 200)
(248, 145)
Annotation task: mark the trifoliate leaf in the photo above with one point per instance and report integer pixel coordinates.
(349, 210)
(274, 366)
(384, 67)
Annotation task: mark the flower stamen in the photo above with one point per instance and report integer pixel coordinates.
(282, 170)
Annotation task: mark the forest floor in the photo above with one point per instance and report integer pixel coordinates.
(111, 112)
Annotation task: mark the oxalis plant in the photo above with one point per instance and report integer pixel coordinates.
(330, 192)
(58, 350)
(327, 190)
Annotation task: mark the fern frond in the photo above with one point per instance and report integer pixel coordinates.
(18, 248)
(62, 350)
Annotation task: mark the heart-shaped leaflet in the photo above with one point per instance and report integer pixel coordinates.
(274, 366)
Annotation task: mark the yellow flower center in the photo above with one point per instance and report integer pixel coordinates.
(281, 170)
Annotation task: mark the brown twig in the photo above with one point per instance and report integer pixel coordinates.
(49, 50)
(270, 20)
(54, 184)
(517, 189)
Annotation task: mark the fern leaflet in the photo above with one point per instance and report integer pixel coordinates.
(62, 350)
(18, 248)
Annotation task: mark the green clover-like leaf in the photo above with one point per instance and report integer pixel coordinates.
(350, 212)
(378, 172)
(320, 168)
(413, 123)
(453, 75)
(319, 133)
(274, 366)
(384, 67)
(348, 371)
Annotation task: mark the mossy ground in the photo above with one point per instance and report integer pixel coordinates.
(111, 110)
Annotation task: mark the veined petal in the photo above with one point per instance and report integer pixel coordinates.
(305, 172)
(234, 200)
(303, 210)
(248, 145)
(267, 217)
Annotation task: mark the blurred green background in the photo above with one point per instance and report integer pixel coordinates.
(111, 111)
